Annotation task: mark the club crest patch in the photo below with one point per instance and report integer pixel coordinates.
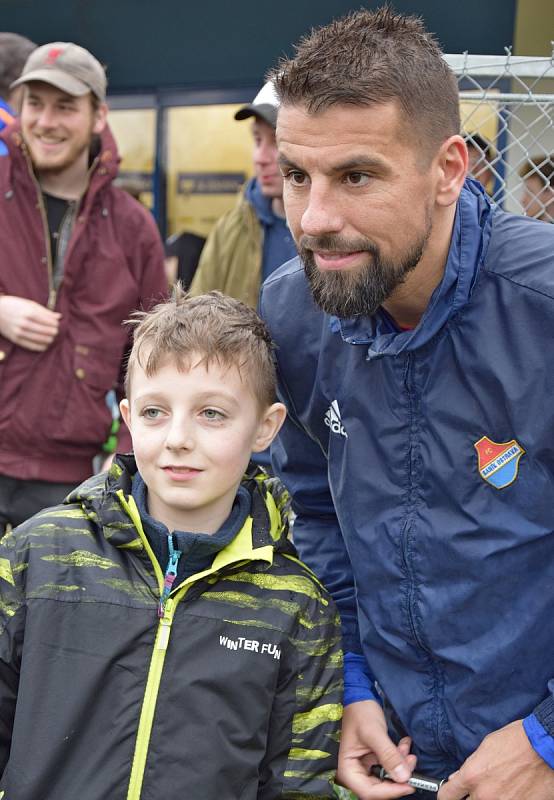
(498, 463)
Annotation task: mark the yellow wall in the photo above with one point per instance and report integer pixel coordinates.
(209, 155)
(135, 134)
(534, 28)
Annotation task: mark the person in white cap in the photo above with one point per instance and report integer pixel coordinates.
(252, 239)
(78, 256)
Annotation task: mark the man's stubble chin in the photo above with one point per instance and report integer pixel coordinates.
(360, 291)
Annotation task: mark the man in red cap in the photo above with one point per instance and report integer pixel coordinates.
(78, 256)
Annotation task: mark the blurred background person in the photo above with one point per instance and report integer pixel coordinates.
(480, 160)
(78, 257)
(252, 240)
(14, 51)
(182, 253)
(538, 188)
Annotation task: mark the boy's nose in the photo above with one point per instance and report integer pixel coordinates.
(179, 437)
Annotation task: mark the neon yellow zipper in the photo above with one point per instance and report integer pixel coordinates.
(150, 700)
(240, 549)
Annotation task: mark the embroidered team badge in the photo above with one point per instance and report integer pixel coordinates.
(498, 463)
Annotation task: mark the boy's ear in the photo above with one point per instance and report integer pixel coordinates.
(269, 426)
(125, 412)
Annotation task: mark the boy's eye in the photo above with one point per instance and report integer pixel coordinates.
(151, 413)
(212, 414)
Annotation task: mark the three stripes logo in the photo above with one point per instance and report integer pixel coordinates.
(333, 419)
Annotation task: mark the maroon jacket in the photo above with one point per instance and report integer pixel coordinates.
(53, 414)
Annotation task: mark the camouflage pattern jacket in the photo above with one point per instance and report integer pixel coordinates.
(234, 693)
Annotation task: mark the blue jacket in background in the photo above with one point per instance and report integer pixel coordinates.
(422, 469)
(6, 118)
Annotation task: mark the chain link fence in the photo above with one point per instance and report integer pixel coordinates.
(507, 109)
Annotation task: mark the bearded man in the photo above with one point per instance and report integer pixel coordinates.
(418, 446)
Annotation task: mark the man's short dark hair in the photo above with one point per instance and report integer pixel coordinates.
(540, 166)
(481, 144)
(372, 57)
(14, 51)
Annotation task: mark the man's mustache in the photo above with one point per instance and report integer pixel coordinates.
(336, 244)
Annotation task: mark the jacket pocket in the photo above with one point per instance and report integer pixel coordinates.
(83, 417)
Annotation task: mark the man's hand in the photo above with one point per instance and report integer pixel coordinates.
(364, 742)
(26, 323)
(503, 766)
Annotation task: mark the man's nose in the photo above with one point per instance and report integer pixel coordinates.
(265, 153)
(47, 117)
(323, 214)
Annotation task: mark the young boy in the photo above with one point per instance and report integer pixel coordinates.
(159, 637)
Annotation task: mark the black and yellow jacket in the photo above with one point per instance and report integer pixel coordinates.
(234, 693)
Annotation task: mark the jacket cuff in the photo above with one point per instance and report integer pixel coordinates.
(539, 739)
(359, 683)
(544, 712)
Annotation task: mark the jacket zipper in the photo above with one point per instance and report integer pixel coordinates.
(51, 290)
(150, 700)
(170, 575)
(144, 731)
(169, 604)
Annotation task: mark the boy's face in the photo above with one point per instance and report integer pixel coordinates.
(193, 433)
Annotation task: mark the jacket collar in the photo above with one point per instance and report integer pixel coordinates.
(261, 204)
(108, 503)
(470, 237)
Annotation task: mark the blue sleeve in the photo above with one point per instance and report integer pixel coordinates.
(299, 454)
(301, 465)
(539, 727)
(540, 740)
(359, 683)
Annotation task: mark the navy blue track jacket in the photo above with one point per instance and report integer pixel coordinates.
(421, 464)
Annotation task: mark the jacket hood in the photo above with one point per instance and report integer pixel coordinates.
(261, 204)
(100, 499)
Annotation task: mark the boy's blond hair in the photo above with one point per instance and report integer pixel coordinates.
(218, 328)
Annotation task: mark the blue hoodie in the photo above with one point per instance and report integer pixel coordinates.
(6, 111)
(278, 244)
(422, 471)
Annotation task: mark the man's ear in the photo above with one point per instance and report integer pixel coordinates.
(269, 426)
(125, 412)
(451, 162)
(100, 118)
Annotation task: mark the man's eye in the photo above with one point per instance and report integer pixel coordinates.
(357, 178)
(295, 178)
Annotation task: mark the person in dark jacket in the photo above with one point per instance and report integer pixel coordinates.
(418, 447)
(78, 255)
(158, 635)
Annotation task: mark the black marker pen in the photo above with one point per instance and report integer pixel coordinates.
(417, 781)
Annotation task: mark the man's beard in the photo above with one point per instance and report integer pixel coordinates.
(349, 293)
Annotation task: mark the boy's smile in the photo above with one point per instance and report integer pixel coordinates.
(193, 433)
